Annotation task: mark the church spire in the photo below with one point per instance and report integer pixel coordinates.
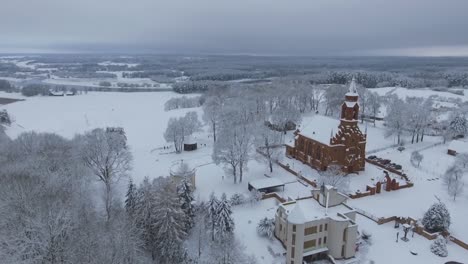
(352, 87)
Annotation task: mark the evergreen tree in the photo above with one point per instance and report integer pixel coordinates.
(439, 247)
(437, 218)
(224, 221)
(458, 126)
(169, 222)
(185, 192)
(130, 199)
(212, 214)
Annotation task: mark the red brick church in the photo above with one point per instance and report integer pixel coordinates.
(346, 148)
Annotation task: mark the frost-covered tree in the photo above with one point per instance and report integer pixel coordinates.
(131, 198)
(374, 102)
(178, 129)
(335, 177)
(396, 117)
(5, 119)
(266, 227)
(185, 192)
(284, 116)
(169, 223)
(439, 246)
(212, 113)
(334, 96)
(237, 199)
(268, 142)
(453, 179)
(462, 161)
(437, 218)
(224, 221)
(107, 155)
(458, 126)
(212, 215)
(235, 144)
(416, 158)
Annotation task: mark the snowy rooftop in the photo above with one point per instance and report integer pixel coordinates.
(460, 146)
(307, 210)
(319, 128)
(265, 183)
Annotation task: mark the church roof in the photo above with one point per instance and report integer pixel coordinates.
(352, 90)
(318, 128)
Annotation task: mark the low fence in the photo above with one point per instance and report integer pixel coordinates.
(418, 229)
(273, 195)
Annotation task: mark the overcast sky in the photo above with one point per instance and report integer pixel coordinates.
(266, 27)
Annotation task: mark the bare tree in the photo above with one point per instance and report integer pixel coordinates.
(416, 158)
(395, 119)
(107, 155)
(268, 142)
(178, 129)
(335, 177)
(212, 109)
(453, 179)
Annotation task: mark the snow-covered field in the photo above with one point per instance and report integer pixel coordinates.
(423, 93)
(143, 117)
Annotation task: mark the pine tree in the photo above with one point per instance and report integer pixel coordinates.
(439, 247)
(437, 218)
(212, 214)
(130, 199)
(185, 192)
(224, 221)
(458, 126)
(169, 222)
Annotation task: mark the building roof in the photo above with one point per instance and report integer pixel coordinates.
(350, 104)
(319, 128)
(306, 210)
(296, 216)
(266, 183)
(460, 146)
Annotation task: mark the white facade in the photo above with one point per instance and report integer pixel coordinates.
(309, 230)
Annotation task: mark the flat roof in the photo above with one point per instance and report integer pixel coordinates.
(459, 146)
(315, 251)
(319, 128)
(266, 183)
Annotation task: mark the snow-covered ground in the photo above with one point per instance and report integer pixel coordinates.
(143, 117)
(420, 92)
(385, 250)
(427, 185)
(246, 218)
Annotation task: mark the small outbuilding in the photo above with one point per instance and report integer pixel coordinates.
(265, 185)
(190, 144)
(457, 146)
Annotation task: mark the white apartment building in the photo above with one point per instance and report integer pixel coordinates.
(311, 230)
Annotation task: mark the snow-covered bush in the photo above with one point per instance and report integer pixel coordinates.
(266, 227)
(237, 199)
(255, 196)
(366, 236)
(437, 218)
(416, 158)
(5, 118)
(439, 247)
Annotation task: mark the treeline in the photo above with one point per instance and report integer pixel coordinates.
(183, 102)
(196, 87)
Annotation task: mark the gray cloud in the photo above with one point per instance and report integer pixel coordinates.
(312, 27)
